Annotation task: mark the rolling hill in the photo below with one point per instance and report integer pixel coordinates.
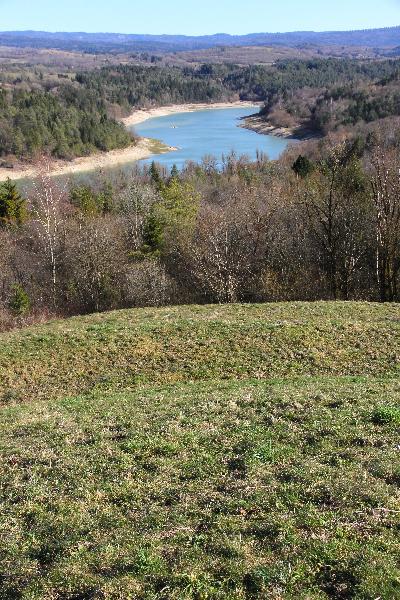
(115, 42)
(213, 452)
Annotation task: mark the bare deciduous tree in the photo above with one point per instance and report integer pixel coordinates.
(134, 205)
(46, 207)
(95, 263)
(385, 183)
(229, 246)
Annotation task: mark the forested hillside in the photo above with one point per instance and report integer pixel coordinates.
(365, 96)
(70, 122)
(115, 42)
(73, 117)
(134, 85)
(130, 86)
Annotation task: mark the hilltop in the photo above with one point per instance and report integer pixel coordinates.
(222, 452)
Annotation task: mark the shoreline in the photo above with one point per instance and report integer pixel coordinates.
(141, 115)
(257, 124)
(145, 148)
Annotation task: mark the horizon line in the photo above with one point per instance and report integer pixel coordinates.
(55, 32)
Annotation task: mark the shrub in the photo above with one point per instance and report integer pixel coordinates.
(385, 415)
(19, 303)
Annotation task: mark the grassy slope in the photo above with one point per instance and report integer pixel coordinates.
(202, 452)
(156, 346)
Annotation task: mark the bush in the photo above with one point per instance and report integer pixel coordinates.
(20, 303)
(385, 415)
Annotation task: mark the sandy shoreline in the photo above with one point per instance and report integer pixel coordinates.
(138, 116)
(144, 149)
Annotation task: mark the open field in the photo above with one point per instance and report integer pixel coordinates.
(202, 453)
(180, 344)
(58, 59)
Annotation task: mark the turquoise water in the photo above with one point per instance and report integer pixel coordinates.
(207, 132)
(197, 134)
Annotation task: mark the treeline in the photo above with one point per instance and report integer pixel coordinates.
(320, 224)
(66, 123)
(294, 74)
(129, 85)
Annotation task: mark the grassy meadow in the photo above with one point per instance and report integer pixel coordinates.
(214, 452)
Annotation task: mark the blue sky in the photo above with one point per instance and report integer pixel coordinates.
(198, 17)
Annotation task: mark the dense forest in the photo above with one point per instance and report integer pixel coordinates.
(137, 85)
(71, 122)
(323, 222)
(67, 118)
(365, 95)
(129, 86)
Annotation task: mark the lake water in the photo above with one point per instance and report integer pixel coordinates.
(197, 134)
(207, 132)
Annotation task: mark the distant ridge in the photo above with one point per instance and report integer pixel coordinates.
(388, 37)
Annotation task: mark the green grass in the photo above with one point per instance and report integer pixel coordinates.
(157, 146)
(202, 453)
(125, 349)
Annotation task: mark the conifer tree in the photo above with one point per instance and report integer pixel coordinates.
(174, 171)
(155, 175)
(12, 205)
(303, 166)
(153, 234)
(19, 303)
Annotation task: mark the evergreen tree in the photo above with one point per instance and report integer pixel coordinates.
(153, 234)
(155, 175)
(303, 166)
(106, 197)
(12, 205)
(84, 198)
(19, 303)
(174, 171)
(178, 209)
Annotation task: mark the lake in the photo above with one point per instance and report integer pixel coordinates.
(196, 134)
(207, 132)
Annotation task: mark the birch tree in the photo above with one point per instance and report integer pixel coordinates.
(46, 209)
